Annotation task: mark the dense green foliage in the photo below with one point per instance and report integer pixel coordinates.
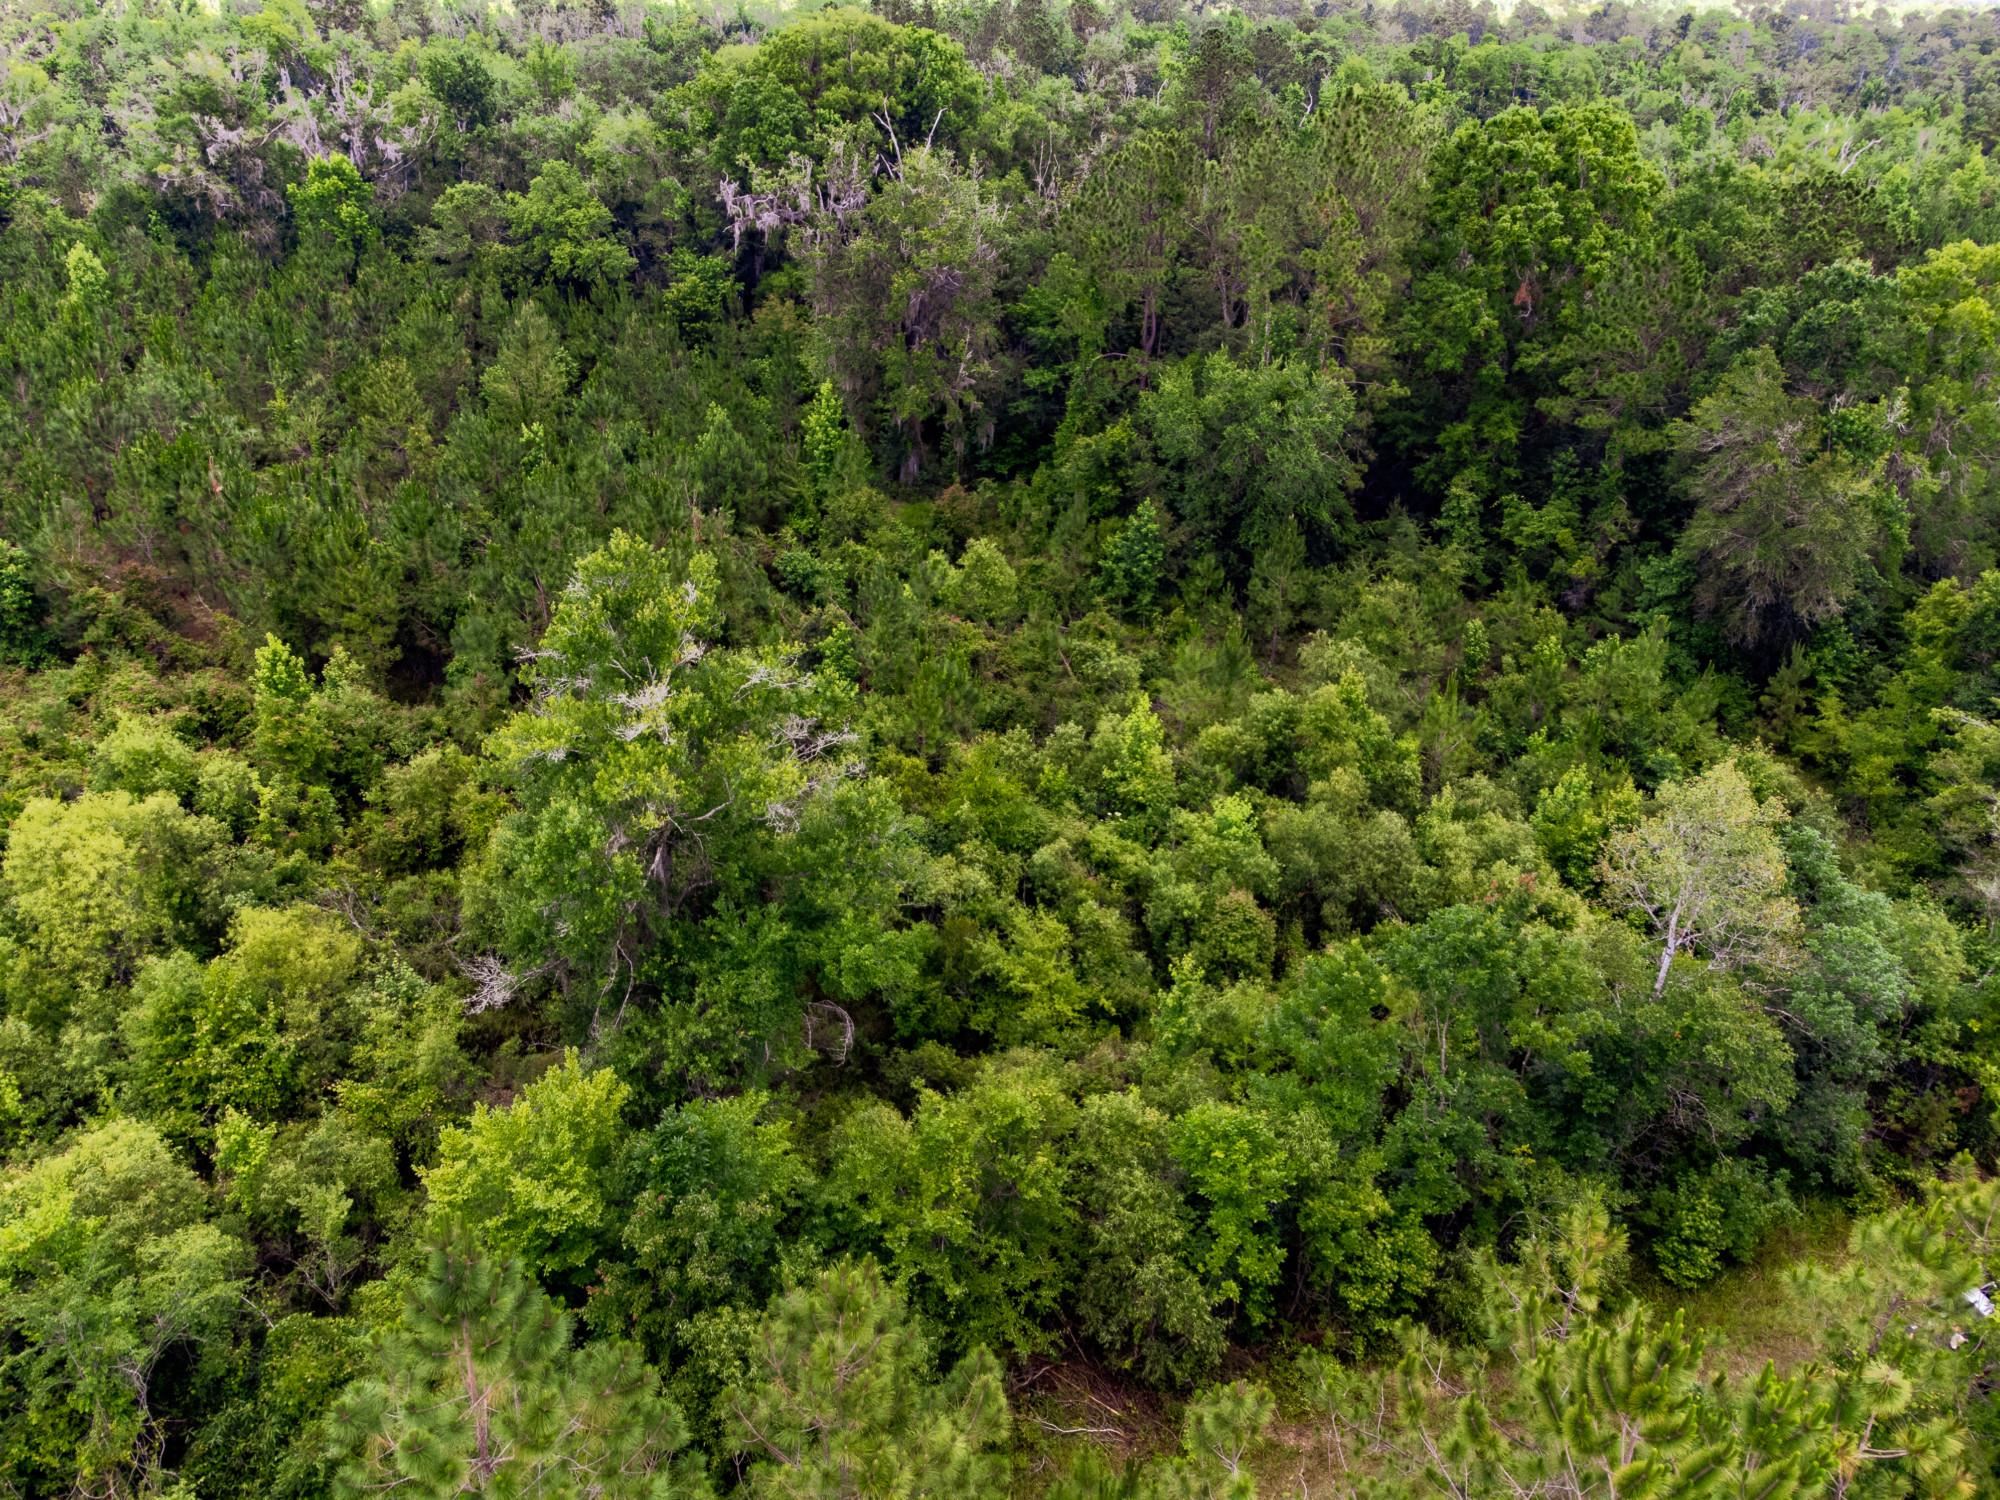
(718, 737)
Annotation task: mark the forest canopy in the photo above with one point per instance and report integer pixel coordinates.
(1090, 748)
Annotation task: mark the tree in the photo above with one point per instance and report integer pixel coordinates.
(537, 1179)
(1899, 1325)
(475, 1389)
(1129, 573)
(562, 232)
(806, 83)
(1239, 1175)
(1704, 1064)
(142, 756)
(467, 227)
(1211, 77)
(824, 441)
(984, 585)
(1245, 452)
(1707, 872)
(106, 1269)
(316, 1189)
(97, 885)
(1943, 344)
(1218, 1429)
(327, 738)
(1302, 235)
(1278, 578)
(1554, 1283)
(264, 1028)
(644, 749)
(1533, 213)
(531, 374)
(1205, 882)
(716, 1187)
(907, 302)
(1139, 1293)
(331, 209)
(1789, 516)
(1130, 771)
(969, 1199)
(23, 639)
(1131, 217)
(1590, 1406)
(462, 82)
(1614, 1410)
(1372, 150)
(1724, 1212)
(840, 1401)
(721, 470)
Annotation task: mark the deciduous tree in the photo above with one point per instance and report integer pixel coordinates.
(1707, 873)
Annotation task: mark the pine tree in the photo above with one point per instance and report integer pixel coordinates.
(1131, 217)
(825, 440)
(840, 1402)
(1218, 1430)
(478, 1390)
